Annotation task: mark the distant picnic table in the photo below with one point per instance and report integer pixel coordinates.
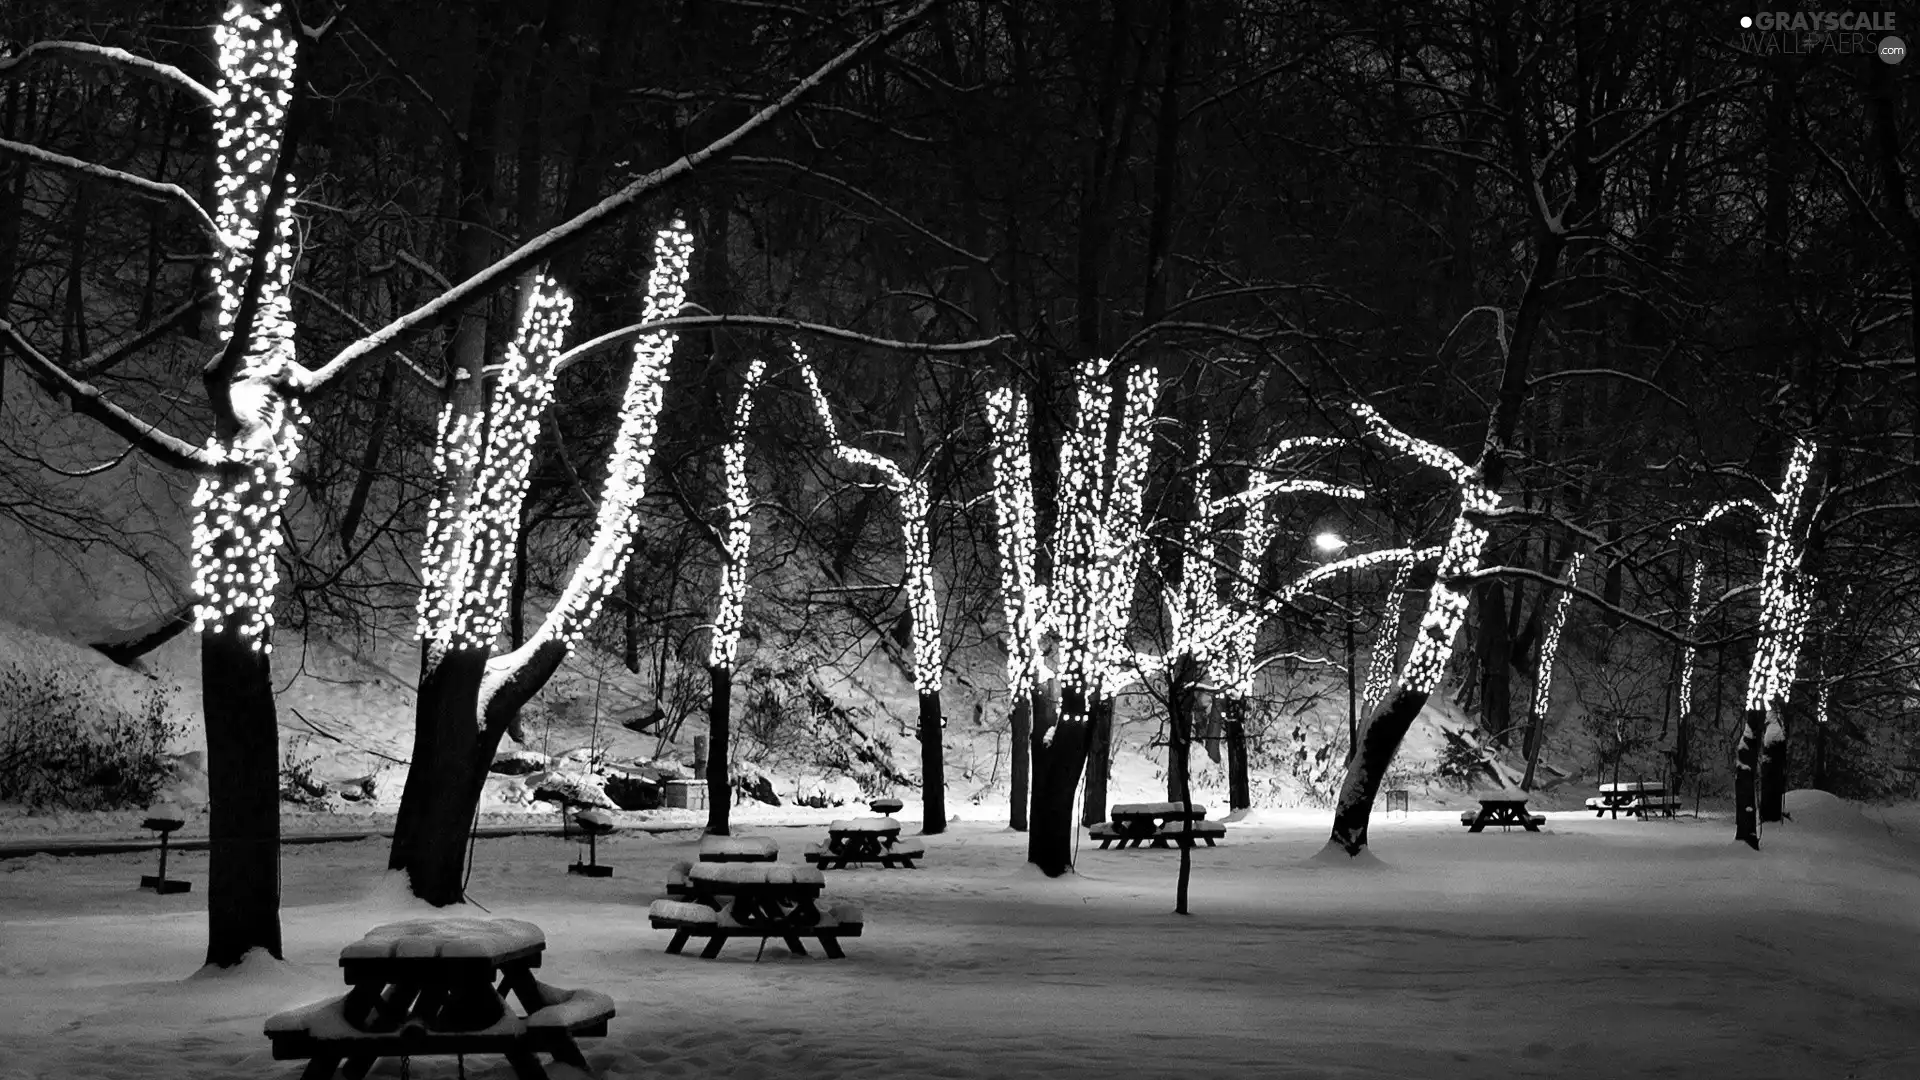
(754, 899)
(1157, 825)
(1634, 797)
(427, 987)
(1505, 811)
(864, 840)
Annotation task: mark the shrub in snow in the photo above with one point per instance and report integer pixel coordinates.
(572, 789)
(64, 743)
(519, 762)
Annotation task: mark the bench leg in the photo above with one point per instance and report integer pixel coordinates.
(908, 863)
(831, 946)
(525, 1065)
(679, 942)
(321, 1067)
(793, 945)
(564, 1049)
(357, 1066)
(713, 946)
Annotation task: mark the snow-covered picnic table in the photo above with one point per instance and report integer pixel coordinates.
(1632, 797)
(753, 899)
(1504, 810)
(427, 986)
(864, 840)
(1159, 824)
(738, 849)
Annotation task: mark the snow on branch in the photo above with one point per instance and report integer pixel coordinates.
(769, 322)
(738, 538)
(85, 52)
(172, 195)
(541, 247)
(916, 536)
(87, 399)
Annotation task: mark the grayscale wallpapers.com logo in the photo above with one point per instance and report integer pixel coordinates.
(1847, 33)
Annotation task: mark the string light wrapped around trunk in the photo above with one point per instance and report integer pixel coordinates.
(1686, 650)
(738, 539)
(1386, 642)
(915, 509)
(1783, 595)
(1550, 647)
(626, 484)
(236, 532)
(466, 560)
(1021, 598)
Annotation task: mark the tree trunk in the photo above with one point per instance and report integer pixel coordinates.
(1746, 777)
(1239, 790)
(370, 456)
(1093, 803)
(719, 734)
(933, 766)
(1773, 768)
(1496, 661)
(1059, 750)
(438, 804)
(1022, 719)
(243, 807)
(1180, 695)
(1179, 743)
(1380, 737)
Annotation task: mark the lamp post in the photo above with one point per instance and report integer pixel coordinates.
(1330, 544)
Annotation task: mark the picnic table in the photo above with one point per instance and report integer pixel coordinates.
(864, 840)
(1502, 810)
(427, 987)
(754, 899)
(1157, 825)
(1633, 797)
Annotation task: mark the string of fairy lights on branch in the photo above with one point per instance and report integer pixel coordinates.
(471, 526)
(236, 532)
(1386, 642)
(1023, 601)
(738, 538)
(618, 518)
(1550, 647)
(915, 509)
(1446, 605)
(1785, 592)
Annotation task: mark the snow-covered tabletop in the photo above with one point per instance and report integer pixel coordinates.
(1157, 809)
(738, 849)
(765, 895)
(421, 942)
(865, 824)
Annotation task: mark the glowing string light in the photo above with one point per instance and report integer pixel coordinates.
(465, 561)
(1686, 650)
(915, 508)
(1784, 597)
(618, 516)
(1386, 643)
(1446, 605)
(738, 538)
(1021, 596)
(236, 532)
(1550, 648)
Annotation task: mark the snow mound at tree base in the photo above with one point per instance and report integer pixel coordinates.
(1826, 813)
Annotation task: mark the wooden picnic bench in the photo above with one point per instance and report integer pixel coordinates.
(864, 840)
(1634, 797)
(1133, 825)
(751, 899)
(738, 849)
(426, 987)
(1505, 811)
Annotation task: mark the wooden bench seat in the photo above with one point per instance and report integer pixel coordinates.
(840, 919)
(321, 1032)
(1169, 832)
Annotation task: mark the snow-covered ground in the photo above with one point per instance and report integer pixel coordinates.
(1596, 948)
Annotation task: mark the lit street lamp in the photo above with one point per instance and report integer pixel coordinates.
(1330, 544)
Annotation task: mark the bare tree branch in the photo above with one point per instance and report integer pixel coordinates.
(87, 400)
(153, 190)
(83, 52)
(767, 322)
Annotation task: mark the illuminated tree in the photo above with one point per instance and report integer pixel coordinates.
(1384, 727)
(1085, 608)
(917, 546)
(1543, 684)
(1022, 597)
(730, 607)
(1785, 600)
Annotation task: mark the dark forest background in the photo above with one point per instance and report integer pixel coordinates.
(1282, 206)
